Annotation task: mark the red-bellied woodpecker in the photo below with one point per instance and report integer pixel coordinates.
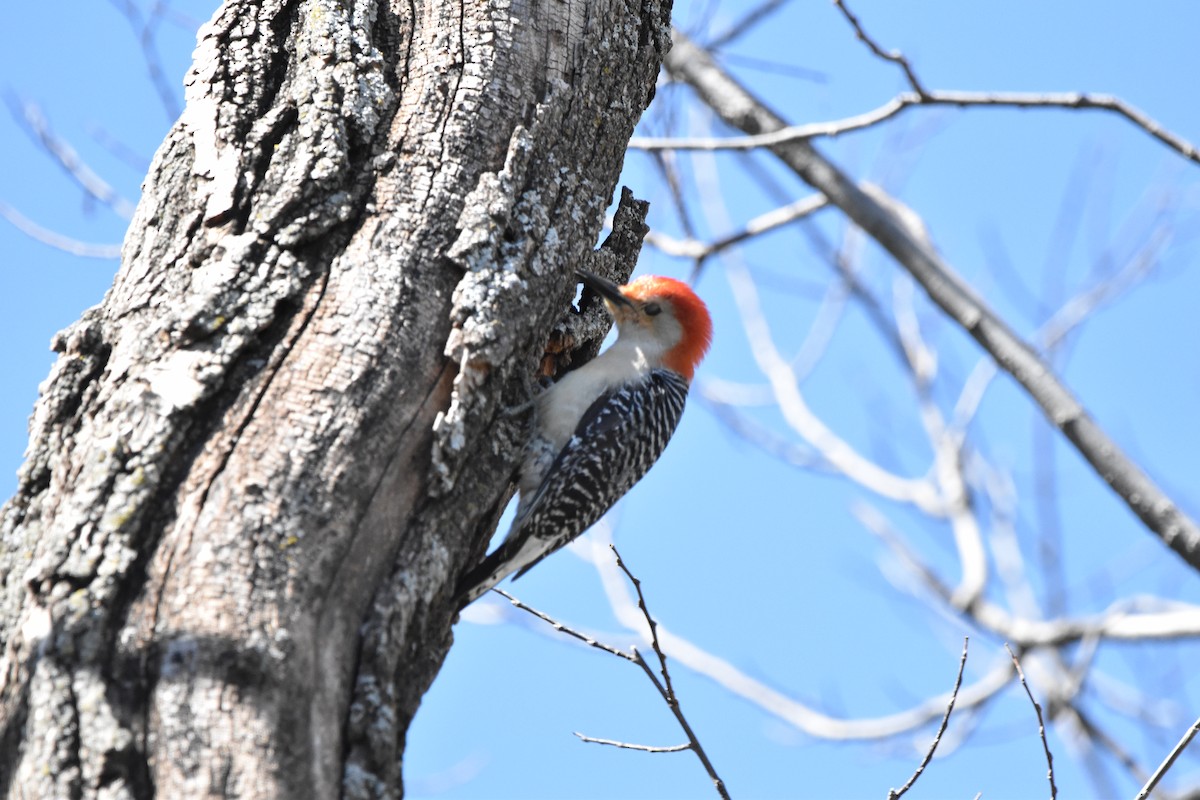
(599, 430)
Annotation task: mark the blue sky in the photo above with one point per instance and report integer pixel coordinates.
(755, 561)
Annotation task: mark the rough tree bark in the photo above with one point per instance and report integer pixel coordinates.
(258, 466)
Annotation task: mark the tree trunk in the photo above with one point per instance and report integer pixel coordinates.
(259, 465)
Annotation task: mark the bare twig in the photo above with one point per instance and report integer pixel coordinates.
(181, 19)
(1119, 621)
(57, 240)
(998, 487)
(653, 625)
(138, 162)
(667, 688)
(645, 748)
(948, 471)
(1169, 761)
(895, 56)
(558, 626)
(771, 220)
(753, 432)
(799, 416)
(664, 687)
(896, 794)
(1094, 734)
(921, 96)
(779, 705)
(1069, 317)
(774, 67)
(1070, 100)
(738, 107)
(667, 165)
(1041, 724)
(784, 135)
(1145, 707)
(748, 21)
(30, 116)
(145, 28)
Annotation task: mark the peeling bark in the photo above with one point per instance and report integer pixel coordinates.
(258, 467)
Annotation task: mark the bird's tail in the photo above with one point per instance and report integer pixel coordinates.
(479, 579)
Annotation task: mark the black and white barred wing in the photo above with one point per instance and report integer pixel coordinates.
(616, 442)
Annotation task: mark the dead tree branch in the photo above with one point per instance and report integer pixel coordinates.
(737, 107)
(29, 115)
(894, 56)
(1078, 101)
(896, 794)
(145, 28)
(1169, 761)
(561, 628)
(57, 240)
(645, 748)
(763, 223)
(665, 687)
(747, 21)
(1041, 724)
(772, 701)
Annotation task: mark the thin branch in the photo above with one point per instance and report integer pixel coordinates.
(1093, 731)
(1144, 707)
(1068, 318)
(29, 115)
(771, 701)
(645, 748)
(997, 486)
(653, 625)
(1077, 309)
(774, 67)
(636, 658)
(57, 240)
(665, 688)
(667, 165)
(947, 450)
(181, 19)
(669, 689)
(558, 626)
(1169, 761)
(799, 416)
(762, 437)
(748, 21)
(1041, 724)
(894, 794)
(736, 106)
(145, 30)
(735, 393)
(136, 161)
(1120, 621)
(846, 262)
(763, 223)
(784, 135)
(1068, 100)
(894, 56)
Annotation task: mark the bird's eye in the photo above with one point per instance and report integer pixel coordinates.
(652, 309)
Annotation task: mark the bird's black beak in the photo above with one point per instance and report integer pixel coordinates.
(603, 287)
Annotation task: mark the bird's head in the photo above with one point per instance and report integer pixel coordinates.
(661, 315)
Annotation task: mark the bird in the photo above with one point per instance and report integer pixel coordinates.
(601, 427)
